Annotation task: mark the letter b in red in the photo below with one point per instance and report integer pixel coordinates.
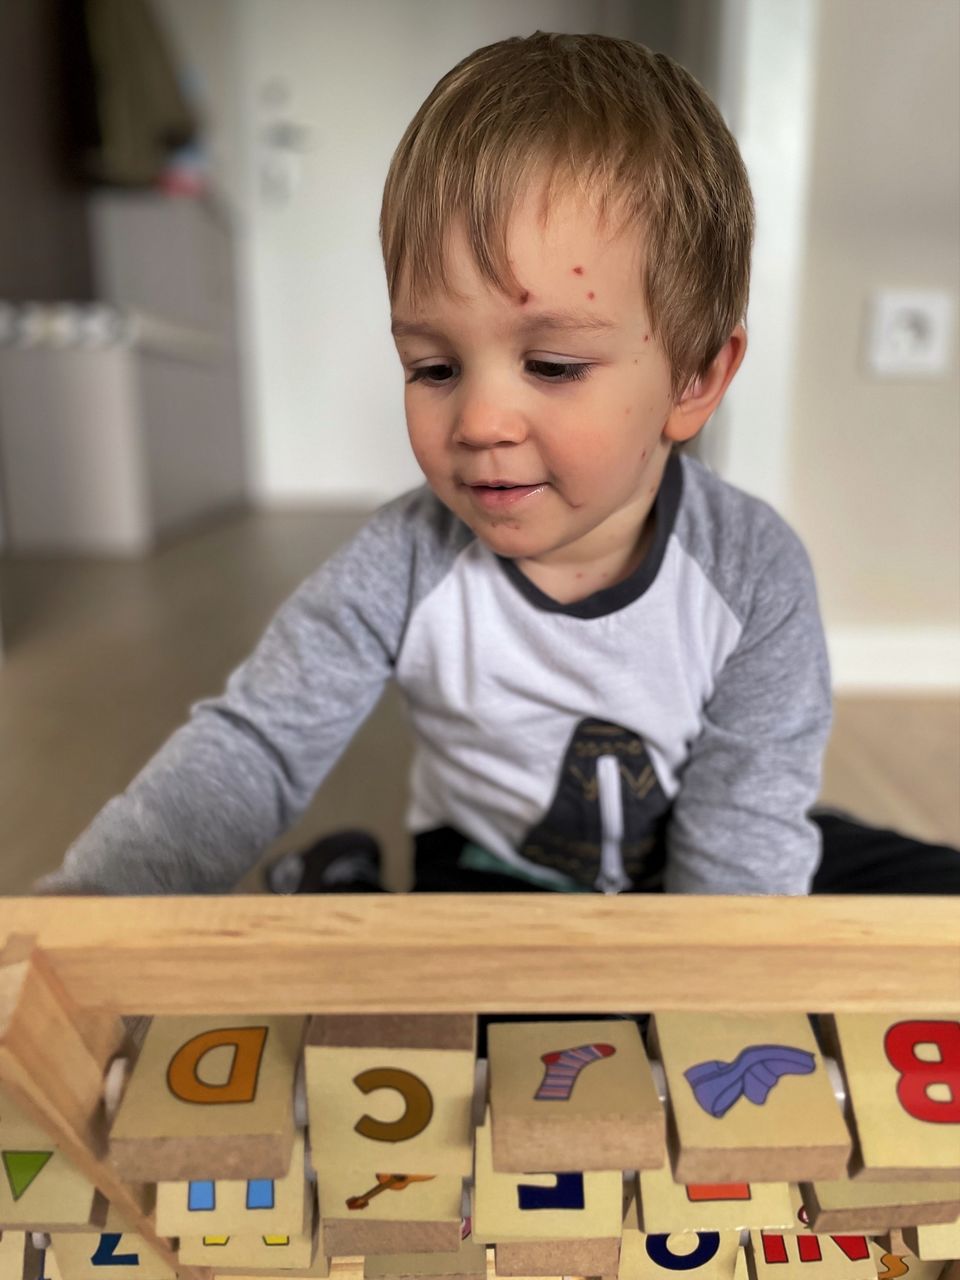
(918, 1074)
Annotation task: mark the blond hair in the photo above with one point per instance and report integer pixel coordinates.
(628, 128)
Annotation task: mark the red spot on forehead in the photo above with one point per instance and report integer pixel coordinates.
(525, 297)
(591, 295)
(578, 271)
(646, 337)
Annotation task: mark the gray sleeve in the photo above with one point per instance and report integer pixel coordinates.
(247, 763)
(739, 822)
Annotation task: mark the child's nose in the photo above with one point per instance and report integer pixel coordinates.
(483, 424)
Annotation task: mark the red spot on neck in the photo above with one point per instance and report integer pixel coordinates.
(578, 271)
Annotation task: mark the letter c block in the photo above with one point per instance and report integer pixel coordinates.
(415, 1094)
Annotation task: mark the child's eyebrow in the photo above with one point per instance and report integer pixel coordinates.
(536, 322)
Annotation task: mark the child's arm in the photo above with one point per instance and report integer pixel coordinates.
(247, 763)
(739, 822)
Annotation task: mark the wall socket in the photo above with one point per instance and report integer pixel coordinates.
(910, 333)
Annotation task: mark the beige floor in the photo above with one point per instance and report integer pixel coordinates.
(102, 660)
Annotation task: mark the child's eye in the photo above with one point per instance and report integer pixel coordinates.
(438, 375)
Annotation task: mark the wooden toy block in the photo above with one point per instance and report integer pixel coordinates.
(454, 1031)
(741, 1270)
(53, 1056)
(708, 1255)
(558, 1258)
(92, 1256)
(307, 1253)
(39, 1188)
(247, 1206)
(903, 1087)
(873, 1207)
(392, 1091)
(510, 1207)
(892, 1241)
(749, 1099)
(891, 1266)
(571, 1097)
(799, 1254)
(18, 1258)
(469, 1262)
(667, 1206)
(209, 1098)
(940, 1243)
(366, 1211)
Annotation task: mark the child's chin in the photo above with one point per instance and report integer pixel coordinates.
(512, 544)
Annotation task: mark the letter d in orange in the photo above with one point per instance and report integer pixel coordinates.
(241, 1084)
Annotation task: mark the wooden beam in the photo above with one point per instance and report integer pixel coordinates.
(498, 953)
(51, 1066)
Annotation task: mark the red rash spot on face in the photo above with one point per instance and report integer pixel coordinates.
(646, 337)
(578, 271)
(525, 297)
(591, 295)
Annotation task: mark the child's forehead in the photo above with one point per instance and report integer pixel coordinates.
(565, 257)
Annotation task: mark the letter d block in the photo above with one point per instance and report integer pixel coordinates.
(210, 1098)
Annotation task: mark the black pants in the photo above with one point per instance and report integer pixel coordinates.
(856, 859)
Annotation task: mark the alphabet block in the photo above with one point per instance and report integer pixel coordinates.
(469, 1262)
(668, 1206)
(705, 1255)
(572, 1096)
(891, 1265)
(558, 1258)
(937, 1243)
(119, 1255)
(246, 1206)
(874, 1207)
(749, 1099)
(18, 1258)
(511, 1207)
(392, 1092)
(365, 1211)
(40, 1190)
(306, 1253)
(802, 1255)
(903, 1085)
(209, 1098)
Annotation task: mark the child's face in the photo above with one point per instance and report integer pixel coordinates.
(546, 436)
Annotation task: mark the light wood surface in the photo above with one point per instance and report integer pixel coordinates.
(48, 1070)
(498, 953)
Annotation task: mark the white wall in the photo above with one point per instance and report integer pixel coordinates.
(875, 463)
(327, 384)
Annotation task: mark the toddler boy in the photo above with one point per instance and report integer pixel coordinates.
(613, 660)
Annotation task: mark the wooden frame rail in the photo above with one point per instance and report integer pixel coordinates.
(70, 966)
(520, 953)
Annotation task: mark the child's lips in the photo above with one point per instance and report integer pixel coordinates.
(493, 497)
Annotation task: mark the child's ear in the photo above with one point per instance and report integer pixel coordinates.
(706, 391)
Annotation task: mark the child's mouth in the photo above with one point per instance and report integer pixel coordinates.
(505, 494)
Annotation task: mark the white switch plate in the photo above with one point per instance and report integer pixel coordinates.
(910, 333)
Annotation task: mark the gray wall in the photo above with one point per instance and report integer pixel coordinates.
(876, 464)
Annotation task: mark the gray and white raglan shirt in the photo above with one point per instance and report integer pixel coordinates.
(668, 729)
